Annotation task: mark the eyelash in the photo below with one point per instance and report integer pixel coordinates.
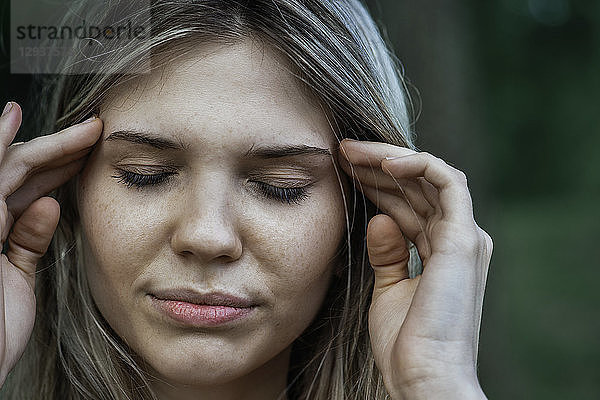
(130, 179)
(284, 195)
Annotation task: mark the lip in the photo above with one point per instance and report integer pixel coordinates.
(201, 309)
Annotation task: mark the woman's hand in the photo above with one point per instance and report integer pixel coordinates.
(28, 171)
(424, 331)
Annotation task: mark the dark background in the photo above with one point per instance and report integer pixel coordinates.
(509, 92)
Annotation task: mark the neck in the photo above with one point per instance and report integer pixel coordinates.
(267, 382)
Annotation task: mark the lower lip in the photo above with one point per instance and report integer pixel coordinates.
(202, 315)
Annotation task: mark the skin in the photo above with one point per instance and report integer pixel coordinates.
(424, 331)
(193, 231)
(209, 228)
(28, 219)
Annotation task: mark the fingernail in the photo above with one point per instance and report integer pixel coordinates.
(393, 158)
(90, 119)
(7, 108)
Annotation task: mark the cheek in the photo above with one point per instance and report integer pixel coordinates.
(303, 256)
(293, 246)
(120, 237)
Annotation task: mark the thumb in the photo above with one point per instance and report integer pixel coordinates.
(31, 235)
(388, 251)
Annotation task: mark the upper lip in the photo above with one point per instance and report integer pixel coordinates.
(210, 298)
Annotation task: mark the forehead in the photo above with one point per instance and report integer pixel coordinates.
(216, 92)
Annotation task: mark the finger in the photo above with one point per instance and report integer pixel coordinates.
(366, 153)
(28, 157)
(372, 176)
(370, 153)
(451, 184)
(31, 235)
(41, 184)
(430, 193)
(9, 125)
(61, 162)
(388, 252)
(409, 188)
(413, 225)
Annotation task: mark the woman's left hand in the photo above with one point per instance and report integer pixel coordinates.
(424, 331)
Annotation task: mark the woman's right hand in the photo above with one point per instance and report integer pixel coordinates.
(29, 171)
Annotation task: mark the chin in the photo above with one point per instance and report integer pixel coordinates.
(201, 364)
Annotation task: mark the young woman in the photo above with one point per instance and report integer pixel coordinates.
(217, 233)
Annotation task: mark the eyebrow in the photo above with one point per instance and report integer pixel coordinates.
(148, 138)
(262, 152)
(286, 150)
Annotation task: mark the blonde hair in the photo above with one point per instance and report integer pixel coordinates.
(339, 56)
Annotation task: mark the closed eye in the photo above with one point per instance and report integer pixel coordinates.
(140, 181)
(283, 194)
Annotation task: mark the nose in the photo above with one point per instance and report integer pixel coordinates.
(206, 228)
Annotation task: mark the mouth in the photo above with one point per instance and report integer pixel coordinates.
(207, 299)
(192, 308)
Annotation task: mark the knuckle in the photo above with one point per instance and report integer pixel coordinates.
(428, 156)
(474, 244)
(466, 242)
(461, 176)
(487, 243)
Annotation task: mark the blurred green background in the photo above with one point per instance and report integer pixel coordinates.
(509, 92)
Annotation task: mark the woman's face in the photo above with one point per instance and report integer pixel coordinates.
(219, 119)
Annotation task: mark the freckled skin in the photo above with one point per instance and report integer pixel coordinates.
(208, 228)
